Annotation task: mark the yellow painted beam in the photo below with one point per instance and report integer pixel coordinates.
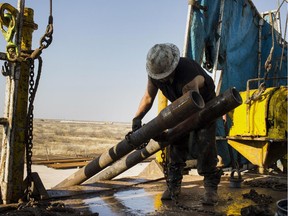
(12, 183)
(162, 103)
(21, 109)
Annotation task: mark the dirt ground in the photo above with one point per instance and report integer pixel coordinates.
(76, 138)
(63, 138)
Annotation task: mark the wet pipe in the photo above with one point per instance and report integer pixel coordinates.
(214, 109)
(169, 117)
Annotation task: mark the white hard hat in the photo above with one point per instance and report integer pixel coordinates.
(162, 59)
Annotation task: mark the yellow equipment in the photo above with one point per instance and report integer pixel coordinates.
(259, 130)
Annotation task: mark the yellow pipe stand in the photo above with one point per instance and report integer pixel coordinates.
(162, 103)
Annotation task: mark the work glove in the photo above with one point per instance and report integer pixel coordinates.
(162, 137)
(136, 124)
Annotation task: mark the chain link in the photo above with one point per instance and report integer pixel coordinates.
(257, 94)
(29, 129)
(47, 38)
(164, 164)
(33, 85)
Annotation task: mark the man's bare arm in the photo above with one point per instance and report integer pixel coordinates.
(195, 84)
(147, 100)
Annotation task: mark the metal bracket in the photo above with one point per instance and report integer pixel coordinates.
(8, 15)
(6, 69)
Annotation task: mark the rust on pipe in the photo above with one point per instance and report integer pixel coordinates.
(214, 109)
(169, 117)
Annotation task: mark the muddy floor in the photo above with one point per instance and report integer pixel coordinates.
(136, 196)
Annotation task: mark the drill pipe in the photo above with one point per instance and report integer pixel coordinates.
(214, 109)
(169, 117)
(219, 106)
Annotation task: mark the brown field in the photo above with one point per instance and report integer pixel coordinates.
(75, 138)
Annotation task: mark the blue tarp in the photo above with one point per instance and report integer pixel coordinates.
(238, 54)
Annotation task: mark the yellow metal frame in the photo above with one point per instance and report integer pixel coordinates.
(255, 151)
(250, 119)
(259, 127)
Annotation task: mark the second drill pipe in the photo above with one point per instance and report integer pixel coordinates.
(172, 115)
(214, 109)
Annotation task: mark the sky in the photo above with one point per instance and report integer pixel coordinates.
(94, 70)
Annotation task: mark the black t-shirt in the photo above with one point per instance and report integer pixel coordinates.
(186, 70)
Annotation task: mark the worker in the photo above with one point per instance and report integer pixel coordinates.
(174, 76)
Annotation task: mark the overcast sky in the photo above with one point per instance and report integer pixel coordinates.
(94, 70)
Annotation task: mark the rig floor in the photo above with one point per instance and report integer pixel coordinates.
(141, 195)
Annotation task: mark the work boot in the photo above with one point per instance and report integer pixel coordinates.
(174, 180)
(210, 197)
(172, 193)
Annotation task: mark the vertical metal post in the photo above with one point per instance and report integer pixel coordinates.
(12, 161)
(219, 32)
(162, 103)
(188, 26)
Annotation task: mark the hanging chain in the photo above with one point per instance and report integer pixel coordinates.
(45, 41)
(33, 85)
(29, 129)
(164, 164)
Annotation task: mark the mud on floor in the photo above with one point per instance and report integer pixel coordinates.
(145, 199)
(135, 198)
